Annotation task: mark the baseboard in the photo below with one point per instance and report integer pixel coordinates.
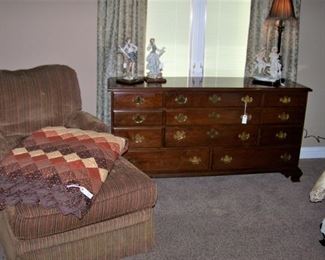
(312, 152)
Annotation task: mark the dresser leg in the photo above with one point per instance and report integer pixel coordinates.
(294, 174)
(295, 177)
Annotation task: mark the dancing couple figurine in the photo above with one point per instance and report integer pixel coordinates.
(268, 70)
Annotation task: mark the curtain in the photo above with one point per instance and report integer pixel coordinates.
(117, 20)
(263, 35)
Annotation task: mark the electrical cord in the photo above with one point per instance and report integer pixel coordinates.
(317, 138)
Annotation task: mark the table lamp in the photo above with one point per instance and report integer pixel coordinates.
(281, 10)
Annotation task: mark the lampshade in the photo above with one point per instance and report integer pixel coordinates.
(282, 9)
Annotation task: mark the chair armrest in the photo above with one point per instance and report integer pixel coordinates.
(9, 142)
(85, 121)
(3, 146)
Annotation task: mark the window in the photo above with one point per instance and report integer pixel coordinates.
(221, 26)
(168, 22)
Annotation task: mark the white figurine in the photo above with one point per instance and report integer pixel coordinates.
(260, 64)
(154, 64)
(267, 68)
(129, 51)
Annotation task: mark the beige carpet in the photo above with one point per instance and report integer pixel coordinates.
(263, 216)
(246, 217)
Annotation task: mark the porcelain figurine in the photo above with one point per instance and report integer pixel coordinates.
(154, 65)
(267, 69)
(129, 51)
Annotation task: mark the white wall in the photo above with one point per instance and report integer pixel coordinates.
(311, 69)
(37, 32)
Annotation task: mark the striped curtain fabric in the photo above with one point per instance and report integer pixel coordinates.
(117, 20)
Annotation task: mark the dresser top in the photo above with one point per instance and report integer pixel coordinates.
(205, 83)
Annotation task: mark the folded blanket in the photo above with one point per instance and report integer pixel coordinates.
(59, 167)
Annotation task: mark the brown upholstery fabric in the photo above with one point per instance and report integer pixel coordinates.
(85, 121)
(35, 98)
(126, 190)
(8, 143)
(4, 147)
(112, 239)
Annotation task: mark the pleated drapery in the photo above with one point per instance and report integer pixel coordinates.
(263, 35)
(117, 20)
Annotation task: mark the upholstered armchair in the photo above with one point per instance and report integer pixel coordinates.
(120, 220)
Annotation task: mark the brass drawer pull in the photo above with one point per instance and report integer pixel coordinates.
(214, 115)
(284, 116)
(181, 118)
(285, 157)
(181, 100)
(244, 136)
(138, 119)
(214, 99)
(281, 135)
(285, 100)
(247, 99)
(226, 159)
(138, 100)
(138, 139)
(179, 135)
(212, 133)
(195, 160)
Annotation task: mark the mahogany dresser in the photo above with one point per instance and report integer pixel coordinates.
(210, 126)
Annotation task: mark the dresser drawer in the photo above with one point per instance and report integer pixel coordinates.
(257, 158)
(286, 99)
(174, 160)
(211, 99)
(218, 135)
(281, 135)
(144, 137)
(136, 100)
(210, 116)
(137, 118)
(283, 115)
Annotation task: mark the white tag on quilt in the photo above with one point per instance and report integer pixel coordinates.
(86, 192)
(83, 190)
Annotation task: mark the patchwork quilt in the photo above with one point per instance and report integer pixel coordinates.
(59, 167)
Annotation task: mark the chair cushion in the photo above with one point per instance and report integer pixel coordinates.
(126, 190)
